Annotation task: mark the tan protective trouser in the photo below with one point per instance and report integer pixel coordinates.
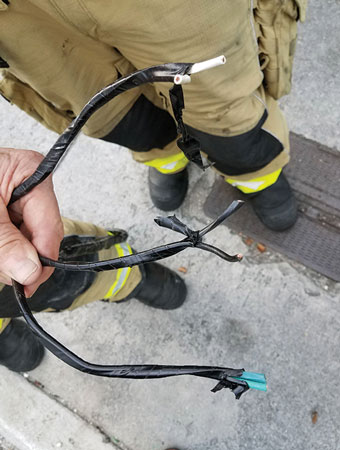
(113, 285)
(62, 52)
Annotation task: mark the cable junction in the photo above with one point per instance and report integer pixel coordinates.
(238, 380)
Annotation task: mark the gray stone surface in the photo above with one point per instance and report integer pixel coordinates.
(313, 107)
(266, 314)
(34, 420)
(5, 445)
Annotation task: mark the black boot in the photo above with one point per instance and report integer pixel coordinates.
(160, 287)
(276, 206)
(167, 191)
(20, 350)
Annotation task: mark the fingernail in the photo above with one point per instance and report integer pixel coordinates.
(23, 270)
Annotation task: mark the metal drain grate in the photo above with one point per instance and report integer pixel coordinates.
(314, 173)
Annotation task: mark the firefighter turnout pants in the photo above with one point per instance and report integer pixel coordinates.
(60, 53)
(69, 290)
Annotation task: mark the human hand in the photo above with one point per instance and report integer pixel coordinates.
(29, 226)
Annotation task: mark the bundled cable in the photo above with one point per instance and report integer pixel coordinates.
(193, 239)
(177, 73)
(237, 380)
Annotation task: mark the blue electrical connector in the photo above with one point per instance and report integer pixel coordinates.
(242, 383)
(254, 380)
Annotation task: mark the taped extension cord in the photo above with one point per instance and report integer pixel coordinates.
(237, 380)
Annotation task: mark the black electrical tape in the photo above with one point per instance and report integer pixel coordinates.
(193, 239)
(190, 146)
(162, 73)
(166, 72)
(222, 374)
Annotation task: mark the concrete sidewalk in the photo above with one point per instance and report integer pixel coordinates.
(266, 314)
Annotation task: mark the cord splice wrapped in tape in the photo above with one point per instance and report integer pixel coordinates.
(237, 380)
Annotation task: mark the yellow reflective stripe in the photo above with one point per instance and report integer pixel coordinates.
(255, 184)
(123, 249)
(169, 164)
(1, 320)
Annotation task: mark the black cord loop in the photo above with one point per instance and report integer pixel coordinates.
(193, 239)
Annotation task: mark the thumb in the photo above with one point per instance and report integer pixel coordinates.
(18, 257)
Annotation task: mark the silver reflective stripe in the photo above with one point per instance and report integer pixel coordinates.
(170, 166)
(248, 184)
(123, 249)
(122, 276)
